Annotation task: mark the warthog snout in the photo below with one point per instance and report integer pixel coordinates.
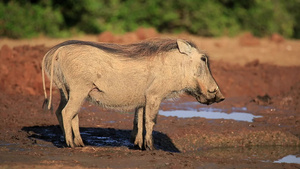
(211, 97)
(208, 92)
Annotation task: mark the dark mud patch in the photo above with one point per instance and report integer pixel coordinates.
(96, 137)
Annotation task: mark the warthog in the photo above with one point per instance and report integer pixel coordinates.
(135, 76)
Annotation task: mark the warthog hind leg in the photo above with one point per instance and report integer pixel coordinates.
(70, 116)
(62, 104)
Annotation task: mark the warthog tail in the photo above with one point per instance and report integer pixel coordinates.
(48, 103)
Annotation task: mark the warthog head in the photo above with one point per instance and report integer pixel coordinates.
(204, 87)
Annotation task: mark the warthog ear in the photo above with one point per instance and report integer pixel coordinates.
(184, 46)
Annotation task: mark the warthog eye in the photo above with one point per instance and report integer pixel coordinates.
(203, 59)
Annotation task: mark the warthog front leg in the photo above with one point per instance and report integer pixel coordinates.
(75, 126)
(151, 111)
(138, 128)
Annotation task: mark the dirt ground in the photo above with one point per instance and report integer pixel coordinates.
(257, 76)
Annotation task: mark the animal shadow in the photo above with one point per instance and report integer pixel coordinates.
(99, 137)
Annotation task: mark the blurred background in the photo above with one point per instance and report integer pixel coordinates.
(210, 18)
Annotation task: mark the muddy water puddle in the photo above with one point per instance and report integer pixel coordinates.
(192, 109)
(289, 159)
(210, 114)
(266, 154)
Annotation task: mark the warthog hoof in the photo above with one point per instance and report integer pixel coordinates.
(138, 142)
(148, 145)
(70, 143)
(78, 142)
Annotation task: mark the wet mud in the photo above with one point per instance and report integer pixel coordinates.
(257, 126)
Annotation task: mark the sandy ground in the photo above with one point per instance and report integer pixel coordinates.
(257, 76)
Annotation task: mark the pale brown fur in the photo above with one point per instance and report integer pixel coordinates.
(136, 76)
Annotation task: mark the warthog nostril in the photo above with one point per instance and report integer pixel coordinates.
(214, 90)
